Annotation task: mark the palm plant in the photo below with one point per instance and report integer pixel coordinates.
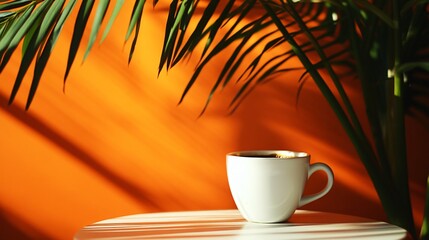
(382, 43)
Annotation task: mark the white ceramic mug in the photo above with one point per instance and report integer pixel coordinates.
(267, 185)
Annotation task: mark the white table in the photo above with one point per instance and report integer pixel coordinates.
(228, 224)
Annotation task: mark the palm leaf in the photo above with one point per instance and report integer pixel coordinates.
(134, 25)
(7, 46)
(47, 50)
(170, 33)
(241, 35)
(214, 28)
(98, 19)
(15, 4)
(198, 34)
(36, 39)
(115, 13)
(236, 53)
(240, 12)
(79, 28)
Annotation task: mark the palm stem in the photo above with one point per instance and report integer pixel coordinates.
(397, 137)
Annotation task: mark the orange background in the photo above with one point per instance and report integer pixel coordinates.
(117, 143)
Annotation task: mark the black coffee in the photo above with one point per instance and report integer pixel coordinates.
(272, 155)
(269, 154)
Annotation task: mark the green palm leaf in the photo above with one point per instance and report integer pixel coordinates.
(47, 50)
(79, 28)
(115, 13)
(98, 19)
(13, 33)
(134, 25)
(15, 4)
(37, 38)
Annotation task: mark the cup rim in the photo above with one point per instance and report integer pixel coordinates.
(282, 154)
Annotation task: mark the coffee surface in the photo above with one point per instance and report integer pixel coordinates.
(272, 155)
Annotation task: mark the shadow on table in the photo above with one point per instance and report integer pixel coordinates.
(229, 224)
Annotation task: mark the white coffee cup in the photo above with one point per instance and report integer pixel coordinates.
(267, 185)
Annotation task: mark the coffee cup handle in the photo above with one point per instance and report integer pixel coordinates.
(313, 168)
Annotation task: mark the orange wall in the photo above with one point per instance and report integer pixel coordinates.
(116, 143)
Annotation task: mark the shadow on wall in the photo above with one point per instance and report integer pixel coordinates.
(79, 154)
(14, 228)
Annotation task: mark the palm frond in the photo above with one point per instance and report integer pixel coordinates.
(47, 50)
(37, 25)
(13, 31)
(36, 37)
